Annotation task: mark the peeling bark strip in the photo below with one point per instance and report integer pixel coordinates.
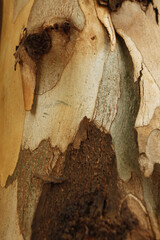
(89, 204)
(37, 48)
(137, 23)
(47, 46)
(74, 65)
(136, 29)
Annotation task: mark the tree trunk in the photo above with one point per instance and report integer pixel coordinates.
(79, 120)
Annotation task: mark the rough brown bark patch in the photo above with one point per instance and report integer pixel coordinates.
(154, 183)
(87, 204)
(29, 187)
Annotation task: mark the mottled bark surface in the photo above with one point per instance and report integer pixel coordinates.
(90, 203)
(89, 154)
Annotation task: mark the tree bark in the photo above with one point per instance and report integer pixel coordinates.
(79, 155)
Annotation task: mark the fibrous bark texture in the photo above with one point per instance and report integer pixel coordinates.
(90, 203)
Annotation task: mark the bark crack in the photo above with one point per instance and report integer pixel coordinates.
(140, 73)
(155, 9)
(156, 14)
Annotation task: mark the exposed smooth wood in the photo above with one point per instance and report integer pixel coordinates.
(12, 112)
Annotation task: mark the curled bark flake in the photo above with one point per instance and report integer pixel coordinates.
(32, 47)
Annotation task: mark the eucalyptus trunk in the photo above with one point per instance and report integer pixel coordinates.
(79, 119)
